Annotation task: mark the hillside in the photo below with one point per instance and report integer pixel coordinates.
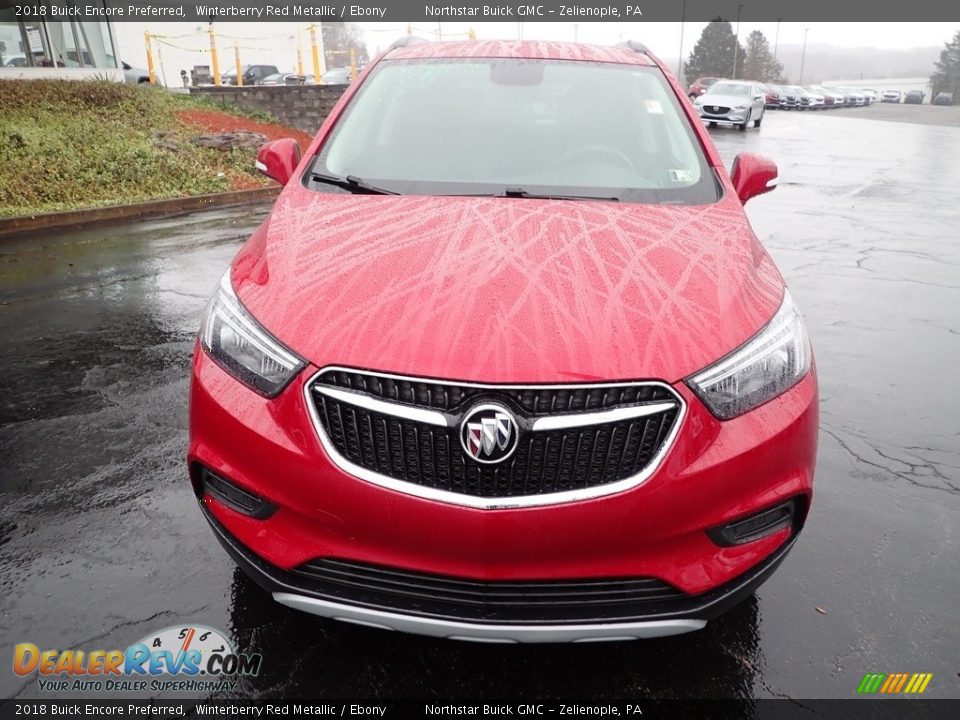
(68, 145)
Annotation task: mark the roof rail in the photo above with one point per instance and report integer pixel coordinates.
(637, 47)
(406, 40)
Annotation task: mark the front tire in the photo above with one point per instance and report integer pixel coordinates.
(742, 127)
(756, 123)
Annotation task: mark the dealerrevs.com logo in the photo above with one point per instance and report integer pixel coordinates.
(188, 659)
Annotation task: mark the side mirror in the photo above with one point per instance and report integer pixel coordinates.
(751, 174)
(278, 159)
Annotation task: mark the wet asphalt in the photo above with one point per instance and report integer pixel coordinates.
(101, 541)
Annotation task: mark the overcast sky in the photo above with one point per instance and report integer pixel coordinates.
(276, 42)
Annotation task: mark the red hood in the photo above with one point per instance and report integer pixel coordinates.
(504, 290)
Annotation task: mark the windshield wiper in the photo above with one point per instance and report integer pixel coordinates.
(351, 183)
(515, 192)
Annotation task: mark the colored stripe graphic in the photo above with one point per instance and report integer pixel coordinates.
(870, 683)
(894, 683)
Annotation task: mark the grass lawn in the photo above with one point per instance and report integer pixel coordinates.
(68, 145)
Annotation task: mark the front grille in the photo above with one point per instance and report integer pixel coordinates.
(516, 601)
(716, 109)
(430, 457)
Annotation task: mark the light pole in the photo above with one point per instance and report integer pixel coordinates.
(803, 55)
(683, 17)
(776, 39)
(736, 43)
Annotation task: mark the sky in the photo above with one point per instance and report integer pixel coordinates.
(276, 43)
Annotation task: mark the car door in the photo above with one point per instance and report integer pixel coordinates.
(758, 101)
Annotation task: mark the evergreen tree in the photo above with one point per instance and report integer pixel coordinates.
(759, 63)
(712, 56)
(946, 77)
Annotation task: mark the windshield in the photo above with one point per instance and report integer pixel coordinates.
(491, 126)
(735, 89)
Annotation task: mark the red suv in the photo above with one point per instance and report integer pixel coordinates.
(506, 361)
(700, 86)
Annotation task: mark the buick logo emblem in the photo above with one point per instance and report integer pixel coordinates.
(488, 434)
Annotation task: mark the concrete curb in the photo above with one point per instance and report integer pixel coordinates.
(24, 224)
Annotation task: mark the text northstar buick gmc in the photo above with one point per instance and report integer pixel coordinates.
(506, 361)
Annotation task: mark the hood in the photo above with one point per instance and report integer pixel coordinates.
(507, 290)
(725, 100)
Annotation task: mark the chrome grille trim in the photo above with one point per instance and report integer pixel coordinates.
(431, 417)
(491, 503)
(559, 422)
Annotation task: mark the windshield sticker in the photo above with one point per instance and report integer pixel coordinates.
(653, 107)
(682, 176)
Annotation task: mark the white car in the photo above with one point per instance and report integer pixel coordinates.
(891, 96)
(134, 75)
(816, 98)
(732, 102)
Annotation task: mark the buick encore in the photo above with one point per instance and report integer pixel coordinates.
(506, 361)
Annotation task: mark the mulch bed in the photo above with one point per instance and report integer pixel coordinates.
(219, 122)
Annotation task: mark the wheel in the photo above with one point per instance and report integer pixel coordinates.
(756, 123)
(743, 126)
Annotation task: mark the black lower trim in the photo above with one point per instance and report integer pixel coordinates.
(760, 524)
(693, 607)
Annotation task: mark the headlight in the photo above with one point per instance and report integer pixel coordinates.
(236, 342)
(769, 364)
(740, 107)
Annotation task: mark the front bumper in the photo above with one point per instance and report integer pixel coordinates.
(715, 473)
(736, 117)
(293, 591)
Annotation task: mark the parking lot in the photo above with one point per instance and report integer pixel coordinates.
(102, 541)
(948, 116)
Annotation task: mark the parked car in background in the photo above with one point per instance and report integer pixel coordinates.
(289, 78)
(337, 76)
(852, 97)
(251, 74)
(914, 97)
(732, 102)
(134, 75)
(771, 94)
(789, 97)
(816, 100)
(943, 98)
(871, 95)
(830, 100)
(363, 451)
(838, 97)
(891, 96)
(802, 98)
(700, 86)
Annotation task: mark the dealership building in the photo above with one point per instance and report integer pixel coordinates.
(37, 47)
